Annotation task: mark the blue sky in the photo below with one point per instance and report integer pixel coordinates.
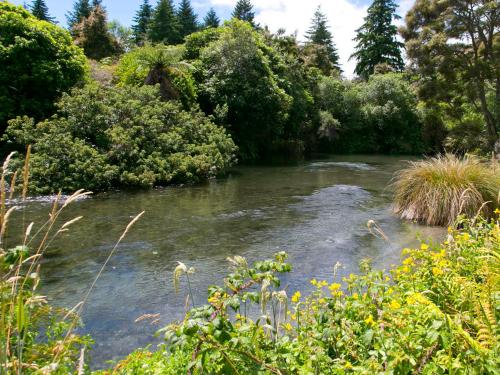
(345, 16)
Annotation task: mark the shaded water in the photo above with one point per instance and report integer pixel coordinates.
(316, 211)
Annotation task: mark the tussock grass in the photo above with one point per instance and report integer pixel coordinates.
(435, 191)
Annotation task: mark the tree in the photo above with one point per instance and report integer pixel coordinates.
(81, 10)
(122, 34)
(40, 10)
(187, 19)
(454, 46)
(320, 35)
(93, 36)
(164, 26)
(142, 20)
(211, 19)
(377, 43)
(38, 63)
(244, 11)
(240, 88)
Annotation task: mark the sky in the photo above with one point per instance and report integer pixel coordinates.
(345, 16)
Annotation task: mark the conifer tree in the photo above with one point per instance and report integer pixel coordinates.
(142, 21)
(211, 19)
(164, 26)
(40, 10)
(320, 35)
(187, 18)
(377, 43)
(244, 11)
(93, 36)
(81, 10)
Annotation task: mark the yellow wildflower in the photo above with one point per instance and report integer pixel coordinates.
(287, 326)
(395, 305)
(293, 316)
(333, 287)
(406, 269)
(348, 365)
(390, 290)
(497, 211)
(355, 296)
(322, 284)
(314, 282)
(424, 246)
(322, 301)
(437, 271)
(296, 297)
(370, 320)
(417, 298)
(408, 261)
(465, 237)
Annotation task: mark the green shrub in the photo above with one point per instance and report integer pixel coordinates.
(38, 63)
(436, 313)
(436, 190)
(103, 137)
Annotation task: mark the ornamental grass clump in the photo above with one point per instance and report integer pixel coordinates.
(435, 191)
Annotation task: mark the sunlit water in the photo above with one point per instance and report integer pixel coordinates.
(316, 211)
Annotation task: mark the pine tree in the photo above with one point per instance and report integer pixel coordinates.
(81, 10)
(93, 36)
(320, 35)
(164, 26)
(142, 21)
(377, 43)
(187, 19)
(244, 11)
(40, 10)
(211, 19)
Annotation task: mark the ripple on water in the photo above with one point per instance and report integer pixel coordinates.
(340, 164)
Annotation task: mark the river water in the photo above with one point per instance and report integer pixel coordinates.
(316, 211)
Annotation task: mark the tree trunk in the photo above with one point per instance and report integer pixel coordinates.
(488, 116)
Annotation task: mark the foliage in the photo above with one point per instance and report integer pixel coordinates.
(187, 18)
(454, 48)
(141, 22)
(240, 88)
(211, 19)
(377, 43)
(93, 36)
(122, 34)
(243, 11)
(39, 62)
(81, 10)
(161, 65)
(379, 116)
(41, 11)
(104, 137)
(164, 26)
(320, 35)
(435, 191)
(436, 313)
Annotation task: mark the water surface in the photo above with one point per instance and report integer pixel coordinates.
(316, 211)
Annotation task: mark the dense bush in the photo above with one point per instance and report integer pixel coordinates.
(435, 191)
(239, 86)
(38, 63)
(436, 313)
(116, 137)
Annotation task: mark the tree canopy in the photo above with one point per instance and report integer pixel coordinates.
(211, 19)
(244, 11)
(187, 19)
(41, 11)
(141, 23)
(454, 49)
(164, 26)
(376, 40)
(320, 35)
(39, 62)
(81, 10)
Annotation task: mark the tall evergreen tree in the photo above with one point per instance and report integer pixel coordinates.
(211, 19)
(187, 18)
(244, 11)
(141, 22)
(93, 36)
(320, 35)
(40, 10)
(164, 26)
(377, 43)
(81, 10)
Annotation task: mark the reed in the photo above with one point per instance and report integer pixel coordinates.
(437, 190)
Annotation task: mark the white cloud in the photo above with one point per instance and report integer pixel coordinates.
(295, 16)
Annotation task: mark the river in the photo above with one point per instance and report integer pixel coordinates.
(316, 211)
